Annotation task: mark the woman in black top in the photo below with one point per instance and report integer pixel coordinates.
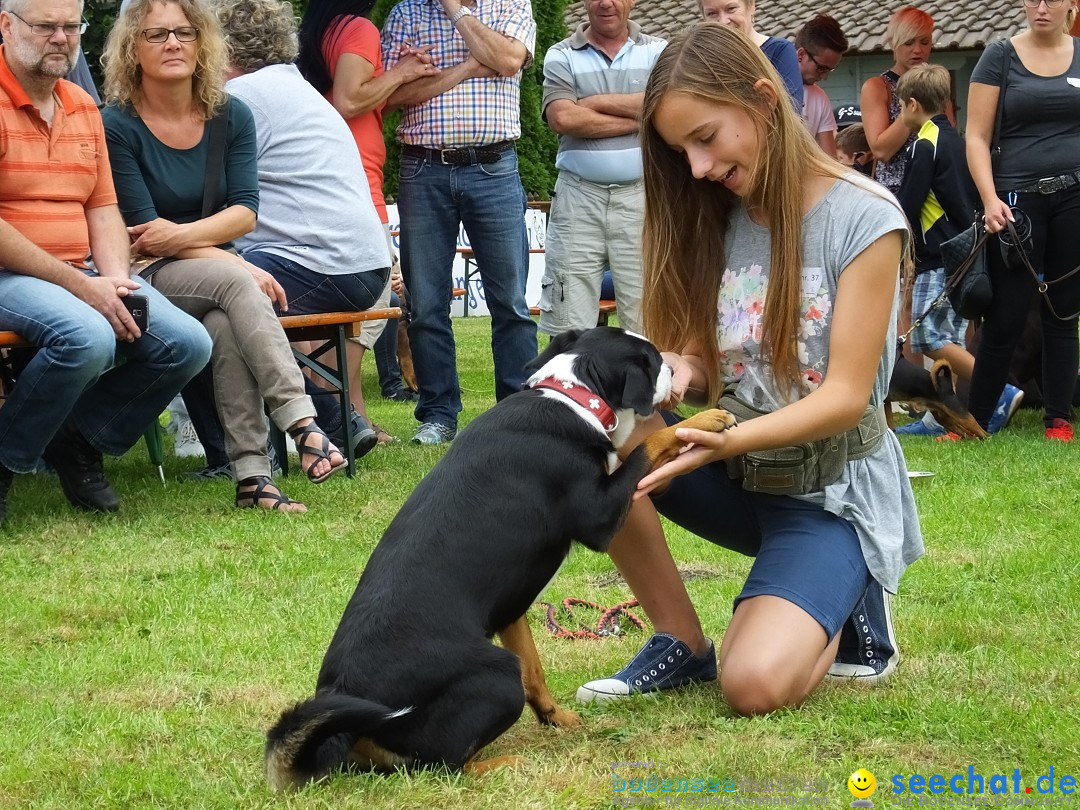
(1038, 171)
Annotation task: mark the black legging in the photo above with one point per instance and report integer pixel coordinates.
(1055, 220)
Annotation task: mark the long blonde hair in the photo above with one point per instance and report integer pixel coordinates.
(123, 75)
(686, 220)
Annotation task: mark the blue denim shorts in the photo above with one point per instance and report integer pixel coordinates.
(943, 325)
(801, 553)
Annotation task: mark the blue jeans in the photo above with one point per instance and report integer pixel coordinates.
(386, 359)
(433, 199)
(310, 292)
(76, 370)
(803, 554)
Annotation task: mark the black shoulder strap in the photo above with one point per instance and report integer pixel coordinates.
(215, 159)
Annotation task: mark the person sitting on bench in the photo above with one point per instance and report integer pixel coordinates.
(73, 400)
(164, 86)
(318, 233)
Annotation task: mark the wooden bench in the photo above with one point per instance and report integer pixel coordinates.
(602, 317)
(153, 435)
(328, 331)
(472, 269)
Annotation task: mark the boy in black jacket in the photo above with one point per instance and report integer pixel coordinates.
(939, 198)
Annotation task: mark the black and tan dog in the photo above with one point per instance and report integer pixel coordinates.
(412, 678)
(934, 391)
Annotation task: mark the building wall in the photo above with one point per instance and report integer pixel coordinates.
(844, 84)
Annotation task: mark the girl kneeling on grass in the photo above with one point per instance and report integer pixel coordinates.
(771, 271)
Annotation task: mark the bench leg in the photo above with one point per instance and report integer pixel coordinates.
(346, 402)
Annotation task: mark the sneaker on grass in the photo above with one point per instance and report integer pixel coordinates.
(1007, 403)
(187, 441)
(927, 426)
(224, 472)
(663, 663)
(868, 652)
(1060, 430)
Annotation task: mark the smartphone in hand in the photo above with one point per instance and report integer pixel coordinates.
(139, 307)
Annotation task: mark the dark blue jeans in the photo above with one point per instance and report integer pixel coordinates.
(434, 200)
(310, 292)
(386, 359)
(112, 390)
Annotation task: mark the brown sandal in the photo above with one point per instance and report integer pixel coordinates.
(264, 488)
(322, 450)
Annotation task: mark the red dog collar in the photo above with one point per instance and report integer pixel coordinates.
(585, 398)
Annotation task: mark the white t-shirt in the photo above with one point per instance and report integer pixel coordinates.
(817, 110)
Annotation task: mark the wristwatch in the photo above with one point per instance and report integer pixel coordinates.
(457, 15)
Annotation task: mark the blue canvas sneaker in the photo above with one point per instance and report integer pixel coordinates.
(927, 426)
(663, 663)
(868, 652)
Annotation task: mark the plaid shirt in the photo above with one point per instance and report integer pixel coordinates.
(476, 112)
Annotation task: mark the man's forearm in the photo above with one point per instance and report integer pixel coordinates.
(581, 122)
(110, 245)
(422, 90)
(500, 53)
(623, 105)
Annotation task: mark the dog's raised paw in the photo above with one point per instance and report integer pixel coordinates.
(713, 420)
(663, 445)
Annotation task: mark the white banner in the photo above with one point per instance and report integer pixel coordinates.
(474, 302)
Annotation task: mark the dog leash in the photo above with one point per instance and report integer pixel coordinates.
(607, 625)
(1041, 284)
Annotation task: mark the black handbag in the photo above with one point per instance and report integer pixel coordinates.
(967, 270)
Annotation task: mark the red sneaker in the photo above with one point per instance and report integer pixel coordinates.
(1060, 430)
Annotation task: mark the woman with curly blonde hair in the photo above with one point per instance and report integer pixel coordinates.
(165, 64)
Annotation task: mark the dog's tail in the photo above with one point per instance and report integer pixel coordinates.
(301, 746)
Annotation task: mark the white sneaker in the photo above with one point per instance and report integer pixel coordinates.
(187, 441)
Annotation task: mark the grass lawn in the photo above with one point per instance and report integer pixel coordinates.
(143, 655)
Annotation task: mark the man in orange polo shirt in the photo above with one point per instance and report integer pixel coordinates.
(73, 400)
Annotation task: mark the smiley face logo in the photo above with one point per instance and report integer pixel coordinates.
(862, 784)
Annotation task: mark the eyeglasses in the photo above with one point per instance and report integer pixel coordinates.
(48, 29)
(1049, 3)
(825, 69)
(186, 33)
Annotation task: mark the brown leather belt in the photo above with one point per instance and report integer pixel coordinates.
(461, 156)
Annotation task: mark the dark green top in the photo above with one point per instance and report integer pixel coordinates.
(154, 180)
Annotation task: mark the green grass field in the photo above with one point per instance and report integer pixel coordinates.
(143, 655)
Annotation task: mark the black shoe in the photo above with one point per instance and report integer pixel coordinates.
(6, 476)
(79, 467)
(364, 436)
(403, 395)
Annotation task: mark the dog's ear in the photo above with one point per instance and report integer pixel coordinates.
(639, 388)
(559, 344)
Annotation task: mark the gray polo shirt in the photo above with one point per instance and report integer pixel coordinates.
(575, 69)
